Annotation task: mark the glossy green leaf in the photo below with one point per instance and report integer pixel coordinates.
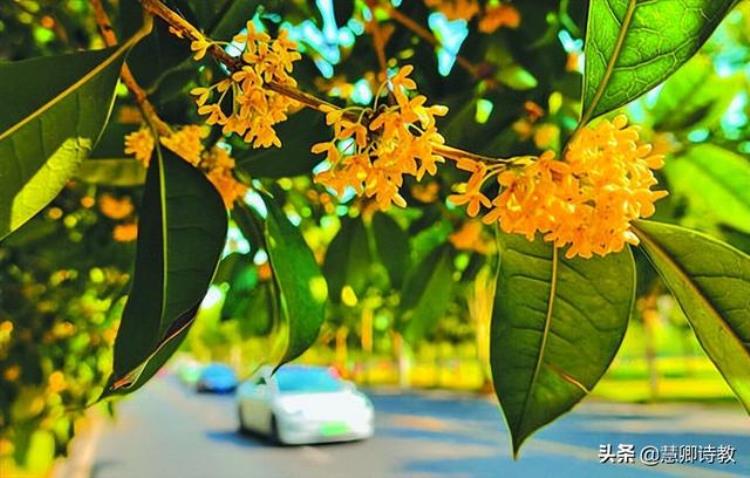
(716, 184)
(112, 172)
(54, 111)
(348, 259)
(633, 45)
(556, 326)
(427, 293)
(181, 235)
(392, 246)
(711, 282)
(303, 291)
(294, 158)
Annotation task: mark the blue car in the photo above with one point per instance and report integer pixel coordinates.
(217, 378)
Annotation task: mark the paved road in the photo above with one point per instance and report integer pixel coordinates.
(168, 431)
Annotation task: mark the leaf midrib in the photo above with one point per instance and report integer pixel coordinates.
(624, 27)
(545, 334)
(694, 288)
(81, 81)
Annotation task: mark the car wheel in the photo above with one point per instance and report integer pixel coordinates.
(242, 428)
(274, 435)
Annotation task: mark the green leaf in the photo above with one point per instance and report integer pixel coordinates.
(392, 246)
(232, 18)
(181, 235)
(54, 111)
(112, 172)
(260, 312)
(711, 282)
(632, 46)
(248, 301)
(251, 227)
(243, 278)
(716, 184)
(694, 97)
(294, 158)
(556, 326)
(303, 291)
(516, 78)
(348, 259)
(427, 293)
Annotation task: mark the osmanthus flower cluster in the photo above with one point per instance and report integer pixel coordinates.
(187, 143)
(493, 16)
(253, 107)
(585, 201)
(373, 149)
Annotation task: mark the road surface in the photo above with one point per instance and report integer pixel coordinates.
(167, 430)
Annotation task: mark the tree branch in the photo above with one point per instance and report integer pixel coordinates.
(126, 75)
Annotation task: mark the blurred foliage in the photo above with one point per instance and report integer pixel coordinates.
(61, 276)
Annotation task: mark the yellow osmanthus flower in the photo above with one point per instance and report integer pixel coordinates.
(455, 9)
(256, 108)
(546, 136)
(374, 153)
(498, 16)
(140, 144)
(56, 382)
(200, 47)
(469, 238)
(115, 208)
(586, 201)
(216, 163)
(426, 193)
(219, 165)
(186, 143)
(12, 373)
(125, 232)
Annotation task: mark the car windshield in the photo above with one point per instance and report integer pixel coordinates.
(299, 380)
(218, 371)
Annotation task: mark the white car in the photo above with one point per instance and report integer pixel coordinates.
(303, 405)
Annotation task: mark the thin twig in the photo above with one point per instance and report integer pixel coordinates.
(110, 39)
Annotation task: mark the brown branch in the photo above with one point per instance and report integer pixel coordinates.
(183, 29)
(479, 72)
(378, 42)
(126, 75)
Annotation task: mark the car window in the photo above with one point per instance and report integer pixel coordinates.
(218, 371)
(302, 380)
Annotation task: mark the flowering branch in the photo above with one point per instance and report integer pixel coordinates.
(585, 200)
(184, 29)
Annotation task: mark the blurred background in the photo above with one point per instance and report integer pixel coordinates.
(412, 290)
